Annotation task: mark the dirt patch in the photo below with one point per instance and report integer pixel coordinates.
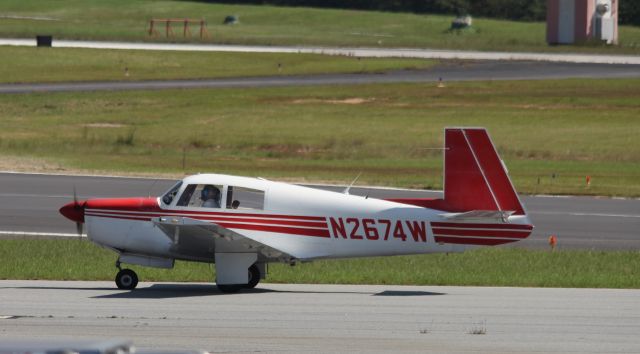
(35, 165)
(104, 125)
(28, 164)
(352, 100)
(282, 150)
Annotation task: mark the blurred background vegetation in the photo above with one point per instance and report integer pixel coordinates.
(517, 10)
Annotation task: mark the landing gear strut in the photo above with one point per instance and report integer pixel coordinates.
(126, 279)
(254, 279)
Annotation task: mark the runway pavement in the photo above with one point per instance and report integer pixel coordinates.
(449, 72)
(327, 318)
(30, 203)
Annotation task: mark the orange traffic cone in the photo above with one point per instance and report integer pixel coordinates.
(553, 241)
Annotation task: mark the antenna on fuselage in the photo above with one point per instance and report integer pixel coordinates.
(346, 190)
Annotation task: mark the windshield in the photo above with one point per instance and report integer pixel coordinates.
(167, 198)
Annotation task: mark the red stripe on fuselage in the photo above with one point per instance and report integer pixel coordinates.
(482, 226)
(119, 217)
(315, 232)
(226, 217)
(151, 205)
(267, 216)
(472, 241)
(278, 229)
(482, 233)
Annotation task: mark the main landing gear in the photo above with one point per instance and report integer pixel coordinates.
(254, 279)
(126, 279)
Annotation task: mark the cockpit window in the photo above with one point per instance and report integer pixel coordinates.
(201, 196)
(244, 198)
(167, 198)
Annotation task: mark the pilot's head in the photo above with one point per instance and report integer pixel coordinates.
(209, 192)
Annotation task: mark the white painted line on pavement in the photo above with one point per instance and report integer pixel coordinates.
(88, 175)
(355, 52)
(19, 195)
(46, 234)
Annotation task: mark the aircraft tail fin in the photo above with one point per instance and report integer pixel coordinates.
(475, 178)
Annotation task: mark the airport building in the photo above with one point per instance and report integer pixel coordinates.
(575, 21)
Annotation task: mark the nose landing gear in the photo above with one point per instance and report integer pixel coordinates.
(126, 279)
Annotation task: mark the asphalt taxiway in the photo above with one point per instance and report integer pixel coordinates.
(327, 318)
(30, 203)
(449, 72)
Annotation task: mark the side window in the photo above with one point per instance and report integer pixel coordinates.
(201, 196)
(244, 198)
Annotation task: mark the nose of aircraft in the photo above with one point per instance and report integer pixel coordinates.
(73, 211)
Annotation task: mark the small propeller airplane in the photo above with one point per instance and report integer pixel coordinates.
(241, 224)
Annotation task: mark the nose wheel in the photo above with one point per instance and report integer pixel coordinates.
(126, 279)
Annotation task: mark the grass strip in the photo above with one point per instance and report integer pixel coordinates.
(551, 134)
(31, 64)
(271, 25)
(81, 260)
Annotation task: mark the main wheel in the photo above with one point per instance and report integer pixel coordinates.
(126, 279)
(254, 277)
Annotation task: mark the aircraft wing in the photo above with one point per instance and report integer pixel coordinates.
(200, 239)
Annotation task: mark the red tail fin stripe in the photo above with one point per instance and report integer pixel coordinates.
(464, 187)
(474, 176)
(494, 171)
(484, 175)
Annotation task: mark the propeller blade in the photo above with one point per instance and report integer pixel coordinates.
(77, 206)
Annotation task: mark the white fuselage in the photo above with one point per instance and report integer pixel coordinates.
(305, 222)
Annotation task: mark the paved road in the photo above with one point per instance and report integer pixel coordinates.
(356, 52)
(456, 71)
(30, 202)
(328, 318)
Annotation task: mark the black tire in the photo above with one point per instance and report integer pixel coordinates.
(126, 279)
(229, 288)
(254, 277)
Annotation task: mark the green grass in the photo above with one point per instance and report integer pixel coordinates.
(129, 20)
(566, 128)
(81, 260)
(29, 64)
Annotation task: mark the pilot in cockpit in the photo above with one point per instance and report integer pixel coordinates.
(210, 196)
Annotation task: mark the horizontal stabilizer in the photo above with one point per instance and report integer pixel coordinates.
(479, 215)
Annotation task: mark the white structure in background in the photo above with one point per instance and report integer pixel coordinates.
(571, 21)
